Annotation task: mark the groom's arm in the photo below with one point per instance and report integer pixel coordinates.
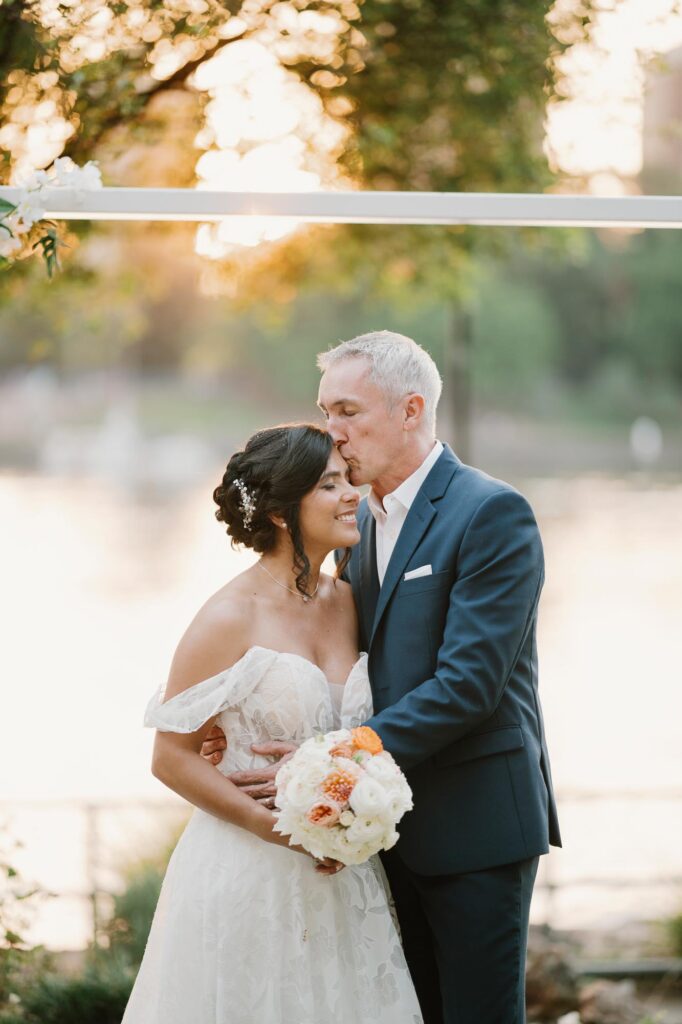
(492, 608)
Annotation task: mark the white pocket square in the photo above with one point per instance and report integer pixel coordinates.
(423, 570)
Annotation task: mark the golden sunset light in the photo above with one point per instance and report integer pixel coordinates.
(316, 646)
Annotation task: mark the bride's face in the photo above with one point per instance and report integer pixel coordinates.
(327, 513)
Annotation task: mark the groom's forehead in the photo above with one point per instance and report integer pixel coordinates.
(339, 388)
(336, 401)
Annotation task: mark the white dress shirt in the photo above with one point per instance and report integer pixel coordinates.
(391, 515)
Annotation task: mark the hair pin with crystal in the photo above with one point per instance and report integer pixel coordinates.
(247, 504)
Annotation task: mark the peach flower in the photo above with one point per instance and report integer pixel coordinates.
(342, 750)
(339, 785)
(324, 812)
(365, 738)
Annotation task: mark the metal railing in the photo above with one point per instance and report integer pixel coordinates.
(104, 863)
(358, 207)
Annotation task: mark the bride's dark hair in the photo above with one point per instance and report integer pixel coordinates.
(274, 472)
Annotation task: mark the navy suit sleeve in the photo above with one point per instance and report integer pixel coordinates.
(492, 606)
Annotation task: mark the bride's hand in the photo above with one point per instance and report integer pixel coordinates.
(328, 866)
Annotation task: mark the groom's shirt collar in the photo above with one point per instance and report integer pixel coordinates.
(407, 491)
(391, 515)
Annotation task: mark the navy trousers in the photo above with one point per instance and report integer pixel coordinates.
(465, 939)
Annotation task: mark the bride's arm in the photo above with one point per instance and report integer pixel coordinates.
(177, 763)
(214, 641)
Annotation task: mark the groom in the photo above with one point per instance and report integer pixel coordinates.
(446, 579)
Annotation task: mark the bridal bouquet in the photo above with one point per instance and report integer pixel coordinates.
(341, 795)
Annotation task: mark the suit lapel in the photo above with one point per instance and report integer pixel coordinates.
(415, 526)
(369, 578)
(418, 520)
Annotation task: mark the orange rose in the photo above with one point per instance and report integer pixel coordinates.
(365, 738)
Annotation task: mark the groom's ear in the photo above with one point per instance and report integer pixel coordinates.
(413, 411)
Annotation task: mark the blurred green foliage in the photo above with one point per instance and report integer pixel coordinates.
(97, 996)
(19, 962)
(603, 329)
(674, 927)
(33, 991)
(125, 933)
(592, 334)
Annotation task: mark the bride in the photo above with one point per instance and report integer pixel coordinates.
(249, 930)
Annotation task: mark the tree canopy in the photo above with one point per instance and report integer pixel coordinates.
(436, 97)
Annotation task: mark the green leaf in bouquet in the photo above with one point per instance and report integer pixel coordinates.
(6, 207)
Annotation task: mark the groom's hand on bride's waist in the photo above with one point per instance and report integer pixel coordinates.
(257, 782)
(260, 782)
(214, 744)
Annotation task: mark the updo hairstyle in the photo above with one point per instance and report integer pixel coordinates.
(277, 467)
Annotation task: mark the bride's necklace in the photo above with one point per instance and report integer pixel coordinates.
(292, 590)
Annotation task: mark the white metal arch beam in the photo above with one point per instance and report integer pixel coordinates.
(492, 209)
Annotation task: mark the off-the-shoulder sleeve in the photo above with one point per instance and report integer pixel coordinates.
(190, 709)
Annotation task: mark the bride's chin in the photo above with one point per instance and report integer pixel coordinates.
(346, 538)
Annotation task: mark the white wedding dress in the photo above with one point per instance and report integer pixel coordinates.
(246, 932)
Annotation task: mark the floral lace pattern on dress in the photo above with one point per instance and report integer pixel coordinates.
(246, 931)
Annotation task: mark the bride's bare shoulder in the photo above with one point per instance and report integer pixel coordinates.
(216, 638)
(339, 590)
(341, 601)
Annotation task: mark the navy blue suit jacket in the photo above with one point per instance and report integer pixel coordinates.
(453, 669)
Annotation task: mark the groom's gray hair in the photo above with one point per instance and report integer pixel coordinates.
(397, 365)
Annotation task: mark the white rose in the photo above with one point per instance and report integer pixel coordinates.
(345, 764)
(383, 770)
(366, 830)
(299, 794)
(332, 739)
(368, 797)
(391, 837)
(399, 805)
(313, 751)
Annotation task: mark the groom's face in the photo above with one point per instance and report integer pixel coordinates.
(365, 430)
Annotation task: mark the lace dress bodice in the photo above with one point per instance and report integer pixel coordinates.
(266, 695)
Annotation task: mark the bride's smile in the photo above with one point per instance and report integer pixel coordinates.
(328, 513)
